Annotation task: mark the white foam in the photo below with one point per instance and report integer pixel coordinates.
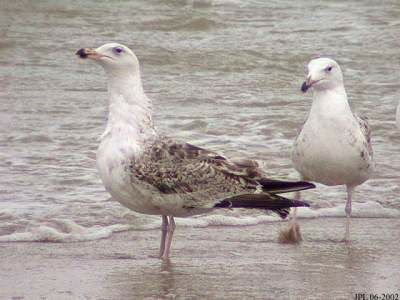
(74, 233)
(66, 230)
(223, 220)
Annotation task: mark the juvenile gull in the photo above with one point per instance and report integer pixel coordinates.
(334, 145)
(155, 175)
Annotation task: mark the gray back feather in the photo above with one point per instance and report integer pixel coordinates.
(366, 130)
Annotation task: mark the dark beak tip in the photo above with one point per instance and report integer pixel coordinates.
(81, 53)
(304, 87)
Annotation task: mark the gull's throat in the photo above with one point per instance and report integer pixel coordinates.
(330, 102)
(130, 110)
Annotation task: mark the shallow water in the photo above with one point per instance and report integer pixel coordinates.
(222, 74)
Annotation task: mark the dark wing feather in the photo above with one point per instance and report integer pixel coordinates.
(276, 203)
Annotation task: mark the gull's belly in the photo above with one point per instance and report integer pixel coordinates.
(332, 158)
(113, 164)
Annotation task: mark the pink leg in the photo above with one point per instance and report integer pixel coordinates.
(168, 242)
(297, 196)
(164, 227)
(348, 213)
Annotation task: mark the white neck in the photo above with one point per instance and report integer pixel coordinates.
(129, 108)
(330, 102)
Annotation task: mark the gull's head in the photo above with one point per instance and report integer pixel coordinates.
(323, 73)
(112, 57)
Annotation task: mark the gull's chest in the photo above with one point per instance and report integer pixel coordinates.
(114, 156)
(112, 153)
(340, 135)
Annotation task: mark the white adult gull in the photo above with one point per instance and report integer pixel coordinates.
(334, 144)
(155, 175)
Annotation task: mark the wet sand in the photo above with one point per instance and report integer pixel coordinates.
(211, 263)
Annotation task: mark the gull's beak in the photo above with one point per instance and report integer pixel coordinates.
(308, 83)
(88, 53)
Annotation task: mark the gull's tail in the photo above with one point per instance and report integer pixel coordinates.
(277, 204)
(278, 187)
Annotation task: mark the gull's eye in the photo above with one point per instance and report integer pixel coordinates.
(328, 69)
(118, 50)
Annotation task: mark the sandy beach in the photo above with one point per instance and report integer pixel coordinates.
(243, 262)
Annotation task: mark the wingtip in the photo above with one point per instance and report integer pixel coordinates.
(307, 185)
(279, 187)
(298, 203)
(284, 212)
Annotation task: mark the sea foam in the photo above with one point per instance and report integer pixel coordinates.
(66, 230)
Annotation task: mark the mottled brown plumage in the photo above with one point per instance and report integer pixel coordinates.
(203, 178)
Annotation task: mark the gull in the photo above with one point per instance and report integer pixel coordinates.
(153, 174)
(334, 144)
